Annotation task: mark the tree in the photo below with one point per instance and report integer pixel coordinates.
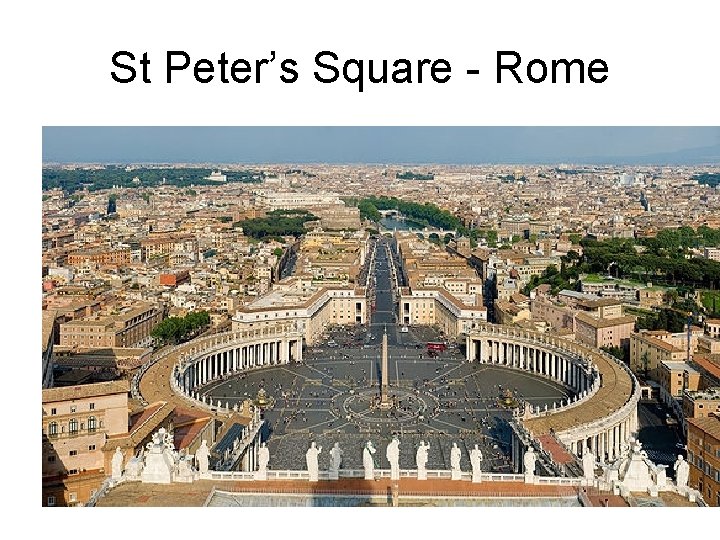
(175, 329)
(617, 352)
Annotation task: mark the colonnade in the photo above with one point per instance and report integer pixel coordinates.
(555, 365)
(237, 357)
(607, 444)
(573, 366)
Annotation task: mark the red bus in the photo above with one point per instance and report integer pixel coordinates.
(436, 346)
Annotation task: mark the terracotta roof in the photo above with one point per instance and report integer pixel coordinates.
(708, 424)
(188, 424)
(604, 322)
(556, 450)
(84, 391)
(710, 363)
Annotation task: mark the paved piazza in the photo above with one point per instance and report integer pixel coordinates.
(329, 398)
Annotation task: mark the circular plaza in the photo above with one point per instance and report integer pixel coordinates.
(505, 389)
(333, 395)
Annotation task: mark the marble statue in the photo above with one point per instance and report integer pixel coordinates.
(635, 472)
(263, 461)
(183, 470)
(455, 462)
(588, 465)
(134, 468)
(682, 471)
(117, 463)
(203, 456)
(392, 453)
(421, 458)
(661, 476)
(311, 458)
(529, 463)
(475, 460)
(160, 459)
(368, 462)
(335, 460)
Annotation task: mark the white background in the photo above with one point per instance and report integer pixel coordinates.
(662, 58)
(56, 63)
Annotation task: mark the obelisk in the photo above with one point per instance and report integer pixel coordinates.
(384, 402)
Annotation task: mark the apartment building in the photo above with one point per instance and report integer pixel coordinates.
(101, 257)
(704, 457)
(604, 332)
(76, 421)
(712, 328)
(648, 348)
(701, 403)
(130, 327)
(713, 254)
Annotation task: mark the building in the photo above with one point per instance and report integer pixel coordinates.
(648, 348)
(76, 422)
(701, 403)
(604, 332)
(676, 377)
(712, 328)
(442, 289)
(101, 257)
(435, 306)
(516, 310)
(337, 217)
(310, 306)
(117, 361)
(175, 249)
(299, 201)
(216, 176)
(174, 278)
(335, 257)
(713, 254)
(558, 315)
(131, 327)
(704, 457)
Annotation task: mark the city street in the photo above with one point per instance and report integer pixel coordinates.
(662, 442)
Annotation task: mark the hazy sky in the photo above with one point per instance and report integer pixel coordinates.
(382, 144)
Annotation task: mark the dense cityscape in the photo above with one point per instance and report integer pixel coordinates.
(548, 334)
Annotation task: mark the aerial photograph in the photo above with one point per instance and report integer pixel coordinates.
(380, 316)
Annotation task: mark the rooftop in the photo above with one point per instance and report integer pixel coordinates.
(604, 322)
(66, 393)
(708, 424)
(48, 320)
(616, 388)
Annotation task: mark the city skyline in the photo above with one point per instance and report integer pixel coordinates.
(384, 145)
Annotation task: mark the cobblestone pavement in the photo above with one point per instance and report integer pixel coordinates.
(309, 404)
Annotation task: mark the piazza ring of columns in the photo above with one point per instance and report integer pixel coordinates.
(602, 414)
(214, 357)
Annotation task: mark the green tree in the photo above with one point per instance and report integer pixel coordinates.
(617, 352)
